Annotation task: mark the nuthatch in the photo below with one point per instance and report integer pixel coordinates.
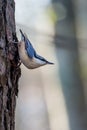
(28, 55)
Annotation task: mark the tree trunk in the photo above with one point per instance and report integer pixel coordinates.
(9, 70)
(69, 67)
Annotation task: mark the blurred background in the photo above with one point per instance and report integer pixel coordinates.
(54, 97)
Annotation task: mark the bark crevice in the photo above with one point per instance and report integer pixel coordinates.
(9, 70)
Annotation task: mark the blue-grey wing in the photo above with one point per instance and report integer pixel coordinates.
(29, 48)
(42, 58)
(39, 57)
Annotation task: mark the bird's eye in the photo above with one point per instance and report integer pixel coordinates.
(19, 44)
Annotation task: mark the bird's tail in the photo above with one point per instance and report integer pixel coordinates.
(51, 63)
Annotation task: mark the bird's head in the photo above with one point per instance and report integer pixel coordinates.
(21, 43)
(22, 35)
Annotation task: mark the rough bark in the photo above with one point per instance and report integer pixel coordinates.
(9, 59)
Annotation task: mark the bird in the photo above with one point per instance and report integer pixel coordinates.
(28, 54)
